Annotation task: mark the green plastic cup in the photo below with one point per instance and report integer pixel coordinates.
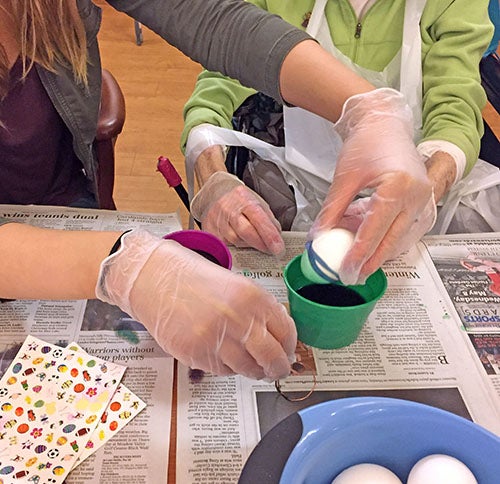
(324, 326)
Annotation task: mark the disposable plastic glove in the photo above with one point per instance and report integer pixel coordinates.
(236, 214)
(378, 154)
(207, 317)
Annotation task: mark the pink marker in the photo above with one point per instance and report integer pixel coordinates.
(174, 180)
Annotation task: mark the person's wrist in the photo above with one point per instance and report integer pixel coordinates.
(119, 270)
(441, 171)
(368, 107)
(116, 246)
(219, 183)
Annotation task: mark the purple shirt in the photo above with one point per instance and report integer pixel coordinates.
(37, 162)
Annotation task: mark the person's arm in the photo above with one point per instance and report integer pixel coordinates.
(259, 49)
(453, 42)
(166, 287)
(214, 100)
(216, 97)
(453, 96)
(224, 205)
(334, 83)
(40, 263)
(210, 161)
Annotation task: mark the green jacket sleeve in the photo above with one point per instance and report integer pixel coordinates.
(214, 100)
(453, 42)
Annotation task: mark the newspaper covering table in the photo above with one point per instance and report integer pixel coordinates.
(139, 452)
(433, 338)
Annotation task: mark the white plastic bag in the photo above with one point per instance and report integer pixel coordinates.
(473, 204)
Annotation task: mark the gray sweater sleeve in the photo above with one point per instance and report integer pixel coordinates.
(233, 37)
(4, 220)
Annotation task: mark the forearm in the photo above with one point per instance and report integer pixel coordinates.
(261, 50)
(314, 80)
(233, 37)
(42, 263)
(209, 162)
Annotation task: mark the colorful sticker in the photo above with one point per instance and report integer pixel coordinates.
(44, 421)
(122, 408)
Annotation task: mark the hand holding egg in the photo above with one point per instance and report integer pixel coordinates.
(433, 469)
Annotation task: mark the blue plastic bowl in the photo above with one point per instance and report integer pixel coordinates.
(389, 432)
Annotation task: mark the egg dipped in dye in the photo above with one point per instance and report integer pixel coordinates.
(322, 259)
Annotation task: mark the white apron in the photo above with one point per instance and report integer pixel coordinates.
(308, 159)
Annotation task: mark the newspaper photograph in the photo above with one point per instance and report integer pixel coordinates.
(469, 269)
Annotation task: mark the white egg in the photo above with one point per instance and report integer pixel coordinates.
(366, 474)
(331, 247)
(442, 469)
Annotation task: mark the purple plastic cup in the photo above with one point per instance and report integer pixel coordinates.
(205, 244)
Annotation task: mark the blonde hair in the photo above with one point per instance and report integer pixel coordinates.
(49, 32)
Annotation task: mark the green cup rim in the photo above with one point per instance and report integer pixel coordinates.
(378, 273)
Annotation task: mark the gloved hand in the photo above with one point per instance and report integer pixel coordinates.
(206, 316)
(356, 214)
(236, 214)
(378, 154)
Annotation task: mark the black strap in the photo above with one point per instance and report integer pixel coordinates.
(118, 242)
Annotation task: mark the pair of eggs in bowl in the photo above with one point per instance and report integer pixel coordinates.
(431, 469)
(318, 443)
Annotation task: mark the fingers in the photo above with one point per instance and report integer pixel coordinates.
(267, 348)
(342, 192)
(378, 240)
(265, 351)
(272, 342)
(269, 355)
(258, 228)
(233, 356)
(283, 329)
(386, 223)
(240, 361)
(259, 358)
(390, 246)
(379, 217)
(405, 232)
(241, 220)
(208, 364)
(218, 225)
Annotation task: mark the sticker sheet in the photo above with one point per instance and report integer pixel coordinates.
(51, 401)
(122, 408)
